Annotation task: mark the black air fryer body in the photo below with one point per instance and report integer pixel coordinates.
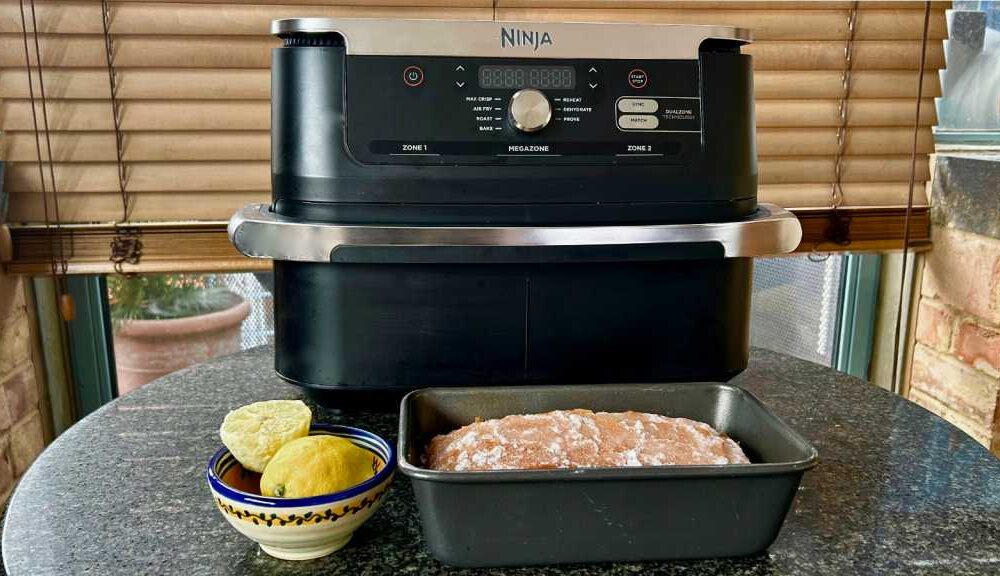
(499, 203)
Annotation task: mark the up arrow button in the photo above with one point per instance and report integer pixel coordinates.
(460, 68)
(592, 70)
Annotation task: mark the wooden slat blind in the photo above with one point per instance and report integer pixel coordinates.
(194, 86)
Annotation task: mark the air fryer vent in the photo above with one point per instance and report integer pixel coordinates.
(327, 40)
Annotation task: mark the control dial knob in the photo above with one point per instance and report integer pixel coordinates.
(530, 110)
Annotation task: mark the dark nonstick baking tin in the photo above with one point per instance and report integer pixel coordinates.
(509, 518)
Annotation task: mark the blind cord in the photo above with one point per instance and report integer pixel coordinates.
(896, 384)
(56, 257)
(126, 245)
(57, 249)
(838, 230)
(836, 188)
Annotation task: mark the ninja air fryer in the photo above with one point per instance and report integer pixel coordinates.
(498, 203)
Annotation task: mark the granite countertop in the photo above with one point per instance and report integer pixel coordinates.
(897, 490)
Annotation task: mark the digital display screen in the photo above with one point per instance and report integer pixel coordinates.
(517, 77)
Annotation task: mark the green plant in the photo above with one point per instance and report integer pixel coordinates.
(166, 296)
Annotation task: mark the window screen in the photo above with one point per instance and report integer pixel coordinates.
(796, 303)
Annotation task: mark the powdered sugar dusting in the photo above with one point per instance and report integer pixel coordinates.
(581, 439)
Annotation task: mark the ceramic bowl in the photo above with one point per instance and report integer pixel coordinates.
(301, 528)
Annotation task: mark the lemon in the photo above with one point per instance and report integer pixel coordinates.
(255, 432)
(316, 465)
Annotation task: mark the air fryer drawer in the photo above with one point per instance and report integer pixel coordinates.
(377, 327)
(507, 518)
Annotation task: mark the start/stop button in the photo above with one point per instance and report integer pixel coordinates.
(637, 78)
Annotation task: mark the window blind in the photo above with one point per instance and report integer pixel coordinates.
(193, 89)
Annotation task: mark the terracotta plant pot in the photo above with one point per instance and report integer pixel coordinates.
(148, 349)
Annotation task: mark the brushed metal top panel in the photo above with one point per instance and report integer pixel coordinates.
(376, 37)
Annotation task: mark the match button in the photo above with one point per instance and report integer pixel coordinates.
(638, 122)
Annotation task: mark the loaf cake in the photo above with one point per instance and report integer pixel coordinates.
(581, 439)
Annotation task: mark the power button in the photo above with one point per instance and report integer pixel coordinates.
(413, 76)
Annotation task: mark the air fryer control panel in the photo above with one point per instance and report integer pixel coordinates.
(481, 122)
(461, 110)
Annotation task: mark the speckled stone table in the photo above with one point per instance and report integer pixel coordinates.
(897, 491)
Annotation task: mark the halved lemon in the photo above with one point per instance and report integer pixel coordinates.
(255, 432)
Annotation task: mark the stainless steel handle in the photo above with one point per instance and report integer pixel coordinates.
(258, 232)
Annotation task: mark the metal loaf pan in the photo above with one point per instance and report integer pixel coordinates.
(508, 518)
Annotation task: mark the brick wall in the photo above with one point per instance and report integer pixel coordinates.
(956, 360)
(22, 435)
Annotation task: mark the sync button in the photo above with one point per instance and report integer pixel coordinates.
(637, 105)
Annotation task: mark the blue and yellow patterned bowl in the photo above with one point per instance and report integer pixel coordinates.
(301, 528)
